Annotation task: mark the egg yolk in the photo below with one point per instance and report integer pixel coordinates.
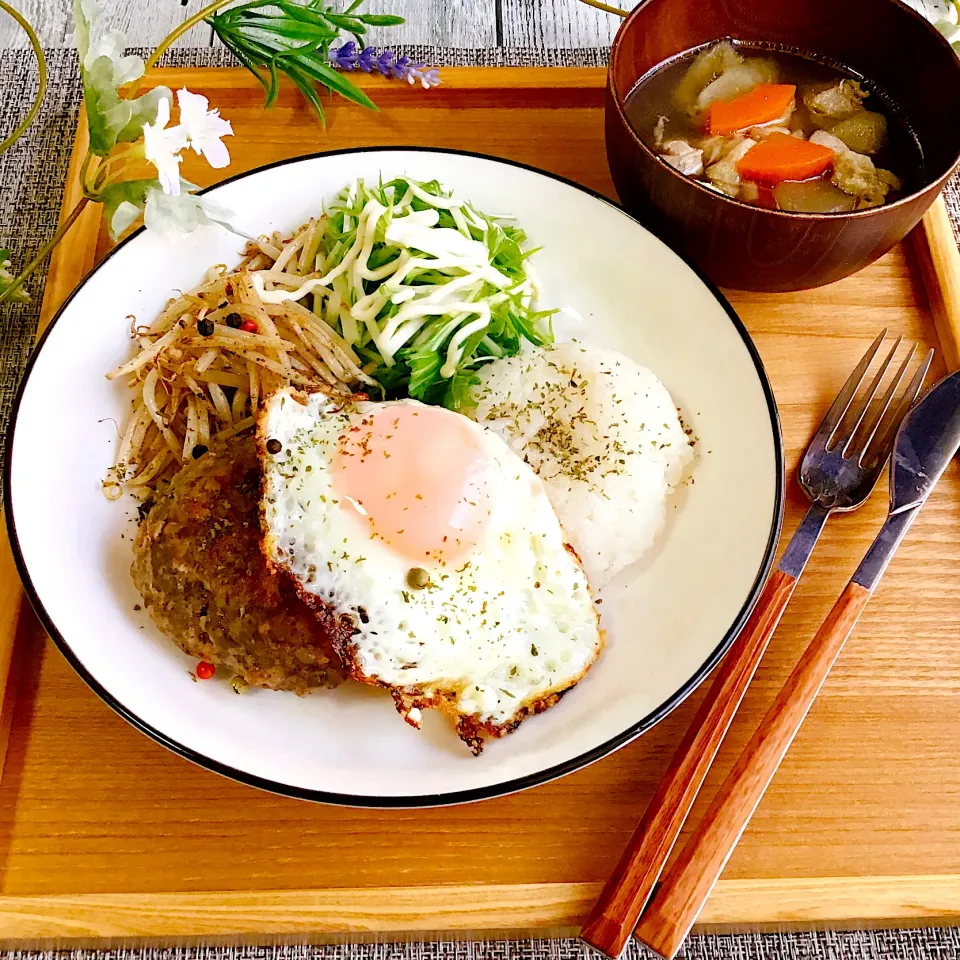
(418, 477)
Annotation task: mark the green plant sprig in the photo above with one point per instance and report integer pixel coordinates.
(273, 37)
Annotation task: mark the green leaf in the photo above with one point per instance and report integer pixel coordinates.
(470, 347)
(531, 325)
(123, 202)
(393, 379)
(381, 256)
(251, 64)
(112, 119)
(306, 88)
(459, 393)
(7, 279)
(335, 81)
(299, 12)
(255, 57)
(381, 19)
(424, 371)
(349, 25)
(238, 11)
(273, 90)
(140, 111)
(296, 29)
(82, 27)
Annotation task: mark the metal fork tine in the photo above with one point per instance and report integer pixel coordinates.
(845, 397)
(877, 418)
(882, 447)
(864, 406)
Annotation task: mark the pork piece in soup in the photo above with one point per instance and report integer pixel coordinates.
(776, 129)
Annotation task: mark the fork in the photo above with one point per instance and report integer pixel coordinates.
(839, 470)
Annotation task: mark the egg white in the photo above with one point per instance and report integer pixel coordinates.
(497, 630)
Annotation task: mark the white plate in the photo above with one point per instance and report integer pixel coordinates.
(668, 619)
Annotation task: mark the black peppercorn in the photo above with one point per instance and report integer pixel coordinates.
(418, 578)
(234, 320)
(274, 446)
(198, 451)
(205, 327)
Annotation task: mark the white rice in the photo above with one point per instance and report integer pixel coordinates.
(602, 433)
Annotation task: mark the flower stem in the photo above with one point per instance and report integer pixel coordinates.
(107, 171)
(21, 127)
(84, 171)
(606, 8)
(176, 34)
(45, 249)
(107, 178)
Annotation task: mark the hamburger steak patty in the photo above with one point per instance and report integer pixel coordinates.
(204, 581)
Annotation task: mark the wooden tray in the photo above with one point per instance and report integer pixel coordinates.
(105, 836)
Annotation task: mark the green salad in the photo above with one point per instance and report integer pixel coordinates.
(426, 288)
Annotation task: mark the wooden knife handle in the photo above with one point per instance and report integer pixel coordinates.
(687, 884)
(615, 914)
(939, 259)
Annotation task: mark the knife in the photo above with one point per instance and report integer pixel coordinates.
(928, 439)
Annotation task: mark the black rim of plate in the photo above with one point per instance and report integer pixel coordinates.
(430, 800)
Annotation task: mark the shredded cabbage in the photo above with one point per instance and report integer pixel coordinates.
(425, 288)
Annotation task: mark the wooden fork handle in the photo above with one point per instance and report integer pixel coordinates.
(687, 884)
(615, 914)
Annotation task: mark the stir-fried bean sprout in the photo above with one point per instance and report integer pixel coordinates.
(399, 290)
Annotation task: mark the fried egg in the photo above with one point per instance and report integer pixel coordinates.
(440, 545)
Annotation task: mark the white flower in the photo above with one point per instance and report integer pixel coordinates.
(162, 146)
(176, 214)
(204, 128)
(111, 45)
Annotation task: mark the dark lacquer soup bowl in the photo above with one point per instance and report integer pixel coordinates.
(754, 248)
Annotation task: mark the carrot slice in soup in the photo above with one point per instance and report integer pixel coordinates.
(764, 103)
(782, 157)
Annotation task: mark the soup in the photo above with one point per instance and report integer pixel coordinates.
(777, 129)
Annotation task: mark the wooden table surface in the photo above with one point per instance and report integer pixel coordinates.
(453, 23)
(104, 833)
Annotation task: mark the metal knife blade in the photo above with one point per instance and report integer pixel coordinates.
(926, 442)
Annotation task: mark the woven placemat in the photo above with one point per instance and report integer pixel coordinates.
(32, 175)
(925, 944)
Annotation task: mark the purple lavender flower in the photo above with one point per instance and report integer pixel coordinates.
(347, 57)
(344, 57)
